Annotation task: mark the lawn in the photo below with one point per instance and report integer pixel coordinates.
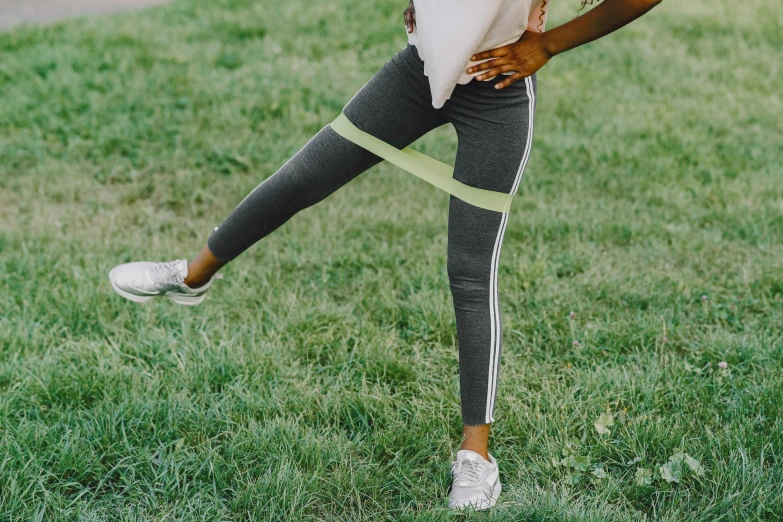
(641, 279)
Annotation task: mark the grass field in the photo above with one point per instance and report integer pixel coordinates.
(319, 380)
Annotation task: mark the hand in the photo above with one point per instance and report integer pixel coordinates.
(410, 17)
(525, 56)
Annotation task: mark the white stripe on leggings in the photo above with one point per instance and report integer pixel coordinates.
(494, 310)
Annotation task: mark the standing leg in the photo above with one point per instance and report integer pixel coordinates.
(393, 106)
(495, 131)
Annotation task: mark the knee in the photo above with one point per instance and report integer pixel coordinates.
(469, 276)
(295, 186)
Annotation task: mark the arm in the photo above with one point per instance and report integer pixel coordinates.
(606, 18)
(533, 50)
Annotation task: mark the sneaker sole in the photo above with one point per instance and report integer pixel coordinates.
(479, 502)
(179, 299)
(186, 299)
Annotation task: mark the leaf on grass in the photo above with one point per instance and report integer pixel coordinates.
(633, 461)
(582, 462)
(603, 423)
(671, 471)
(574, 478)
(569, 448)
(678, 457)
(599, 473)
(643, 477)
(569, 461)
(695, 465)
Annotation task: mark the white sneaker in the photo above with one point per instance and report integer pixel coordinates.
(476, 482)
(143, 281)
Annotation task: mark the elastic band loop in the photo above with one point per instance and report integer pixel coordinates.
(420, 165)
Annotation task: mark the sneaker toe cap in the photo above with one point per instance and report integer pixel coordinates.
(130, 277)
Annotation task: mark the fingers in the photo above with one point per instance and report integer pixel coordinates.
(492, 53)
(508, 81)
(495, 71)
(488, 65)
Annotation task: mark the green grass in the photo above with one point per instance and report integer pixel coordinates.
(319, 380)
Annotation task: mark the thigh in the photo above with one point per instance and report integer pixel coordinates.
(395, 106)
(495, 133)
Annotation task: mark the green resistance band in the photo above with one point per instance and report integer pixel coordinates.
(429, 169)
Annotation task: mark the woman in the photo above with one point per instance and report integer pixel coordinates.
(470, 63)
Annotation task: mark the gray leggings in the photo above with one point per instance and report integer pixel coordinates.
(495, 131)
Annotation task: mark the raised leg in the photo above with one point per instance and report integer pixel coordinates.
(394, 106)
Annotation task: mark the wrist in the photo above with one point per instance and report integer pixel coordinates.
(549, 45)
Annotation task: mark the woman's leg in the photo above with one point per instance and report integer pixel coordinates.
(495, 131)
(394, 106)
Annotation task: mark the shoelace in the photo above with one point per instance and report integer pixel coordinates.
(466, 470)
(166, 272)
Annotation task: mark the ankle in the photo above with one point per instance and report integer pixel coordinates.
(197, 280)
(476, 439)
(483, 451)
(194, 284)
(203, 268)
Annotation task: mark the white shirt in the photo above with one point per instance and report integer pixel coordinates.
(448, 32)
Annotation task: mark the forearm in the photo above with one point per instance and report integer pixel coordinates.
(603, 19)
